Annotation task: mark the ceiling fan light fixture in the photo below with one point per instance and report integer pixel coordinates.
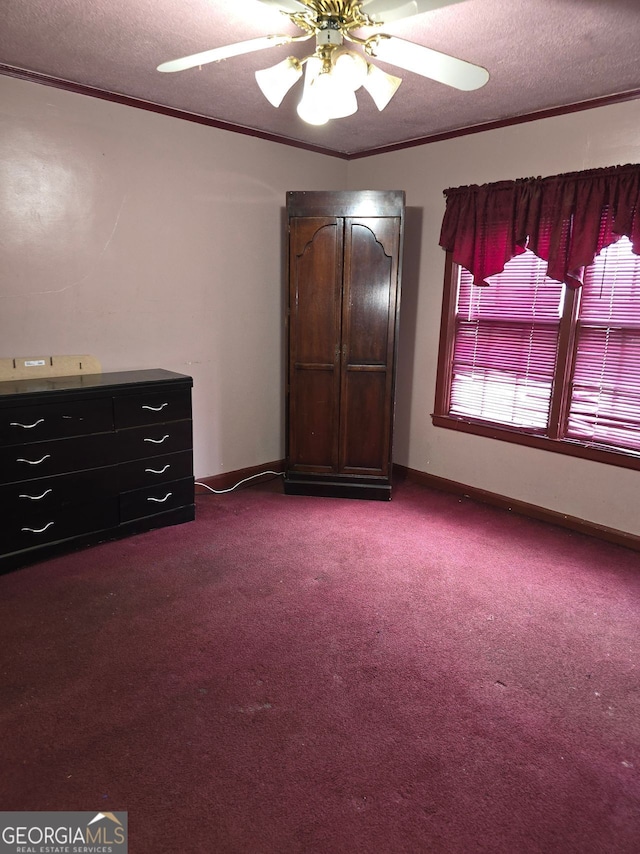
(381, 86)
(335, 72)
(276, 81)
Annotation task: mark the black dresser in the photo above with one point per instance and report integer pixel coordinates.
(90, 458)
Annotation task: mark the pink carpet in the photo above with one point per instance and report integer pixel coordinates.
(289, 675)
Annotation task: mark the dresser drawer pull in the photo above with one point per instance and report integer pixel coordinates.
(37, 530)
(36, 497)
(27, 426)
(161, 500)
(158, 471)
(33, 462)
(158, 441)
(155, 408)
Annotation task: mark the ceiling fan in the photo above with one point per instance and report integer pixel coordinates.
(335, 70)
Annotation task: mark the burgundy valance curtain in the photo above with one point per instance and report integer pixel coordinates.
(564, 219)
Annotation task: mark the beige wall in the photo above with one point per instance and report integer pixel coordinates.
(602, 494)
(152, 242)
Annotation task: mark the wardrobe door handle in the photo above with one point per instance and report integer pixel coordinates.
(37, 530)
(27, 426)
(36, 497)
(155, 408)
(33, 462)
(158, 441)
(161, 500)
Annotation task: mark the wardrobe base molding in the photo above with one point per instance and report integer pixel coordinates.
(327, 487)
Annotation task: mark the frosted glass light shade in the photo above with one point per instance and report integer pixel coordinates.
(344, 104)
(325, 96)
(311, 113)
(276, 81)
(349, 68)
(338, 100)
(311, 109)
(381, 86)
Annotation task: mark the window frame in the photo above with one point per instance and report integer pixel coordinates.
(553, 441)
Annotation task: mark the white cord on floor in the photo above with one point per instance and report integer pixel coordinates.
(240, 482)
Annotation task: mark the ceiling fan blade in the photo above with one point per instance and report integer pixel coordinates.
(386, 11)
(429, 63)
(287, 5)
(224, 52)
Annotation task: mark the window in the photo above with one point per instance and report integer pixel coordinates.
(528, 359)
(605, 390)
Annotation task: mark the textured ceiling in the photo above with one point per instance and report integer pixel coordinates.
(541, 55)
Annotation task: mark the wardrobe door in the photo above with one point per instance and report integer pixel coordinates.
(370, 289)
(315, 277)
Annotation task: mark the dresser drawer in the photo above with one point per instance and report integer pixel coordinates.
(51, 494)
(156, 499)
(55, 420)
(152, 407)
(39, 459)
(39, 527)
(154, 440)
(155, 470)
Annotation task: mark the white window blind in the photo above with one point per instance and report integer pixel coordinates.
(506, 341)
(605, 392)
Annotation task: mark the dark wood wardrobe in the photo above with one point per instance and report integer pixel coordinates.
(342, 322)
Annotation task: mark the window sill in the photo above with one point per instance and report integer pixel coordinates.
(596, 453)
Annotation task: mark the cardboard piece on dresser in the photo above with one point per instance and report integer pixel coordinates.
(26, 367)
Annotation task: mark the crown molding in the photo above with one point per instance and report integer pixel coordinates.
(141, 104)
